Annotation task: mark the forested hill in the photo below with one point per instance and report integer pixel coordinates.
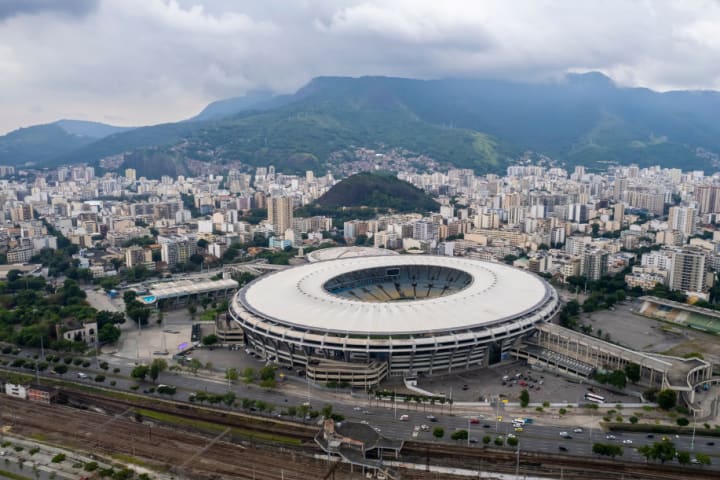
(377, 190)
(471, 123)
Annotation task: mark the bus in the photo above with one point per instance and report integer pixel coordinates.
(594, 398)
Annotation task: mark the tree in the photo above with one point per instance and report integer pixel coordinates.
(231, 374)
(248, 375)
(486, 439)
(194, 365)
(682, 421)
(211, 339)
(499, 441)
(326, 410)
(202, 243)
(439, 432)
(267, 373)
(513, 441)
(108, 333)
(459, 435)
(140, 372)
(703, 459)
(663, 451)
(633, 419)
(524, 398)
(607, 449)
(228, 399)
(157, 366)
(632, 370)
(268, 383)
(683, 458)
(667, 399)
(618, 379)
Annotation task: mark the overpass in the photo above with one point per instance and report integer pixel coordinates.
(582, 355)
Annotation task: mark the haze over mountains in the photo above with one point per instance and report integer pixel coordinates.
(472, 123)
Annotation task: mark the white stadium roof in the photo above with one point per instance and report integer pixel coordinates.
(336, 253)
(190, 287)
(296, 297)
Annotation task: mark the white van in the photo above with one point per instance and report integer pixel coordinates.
(404, 418)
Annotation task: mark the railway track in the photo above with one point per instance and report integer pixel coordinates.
(259, 458)
(293, 430)
(165, 448)
(547, 464)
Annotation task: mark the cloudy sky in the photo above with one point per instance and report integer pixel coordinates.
(136, 62)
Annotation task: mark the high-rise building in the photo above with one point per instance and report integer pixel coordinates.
(280, 213)
(621, 184)
(131, 174)
(687, 273)
(594, 264)
(682, 219)
(619, 212)
(138, 256)
(708, 198)
(425, 231)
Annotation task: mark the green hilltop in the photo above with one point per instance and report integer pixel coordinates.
(377, 191)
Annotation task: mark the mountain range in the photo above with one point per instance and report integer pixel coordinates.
(481, 124)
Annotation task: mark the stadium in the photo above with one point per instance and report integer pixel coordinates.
(357, 320)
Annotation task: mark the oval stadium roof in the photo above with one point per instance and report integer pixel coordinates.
(296, 297)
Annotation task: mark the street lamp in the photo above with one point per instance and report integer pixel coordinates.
(468, 432)
(692, 443)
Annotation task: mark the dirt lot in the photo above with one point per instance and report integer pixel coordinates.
(640, 333)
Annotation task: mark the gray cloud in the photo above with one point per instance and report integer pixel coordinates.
(150, 61)
(73, 8)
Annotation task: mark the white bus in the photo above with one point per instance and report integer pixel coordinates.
(594, 398)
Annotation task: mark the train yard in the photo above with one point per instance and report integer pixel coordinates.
(197, 442)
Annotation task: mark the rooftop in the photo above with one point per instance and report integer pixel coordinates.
(496, 293)
(189, 287)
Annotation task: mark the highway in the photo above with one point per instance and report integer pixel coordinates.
(539, 438)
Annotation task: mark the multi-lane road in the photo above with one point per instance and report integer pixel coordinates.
(386, 418)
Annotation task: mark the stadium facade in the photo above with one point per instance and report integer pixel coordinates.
(357, 320)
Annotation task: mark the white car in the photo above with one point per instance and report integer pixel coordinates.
(578, 430)
(563, 434)
(364, 422)
(610, 437)
(357, 409)
(627, 442)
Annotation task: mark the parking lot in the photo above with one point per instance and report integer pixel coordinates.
(153, 340)
(486, 383)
